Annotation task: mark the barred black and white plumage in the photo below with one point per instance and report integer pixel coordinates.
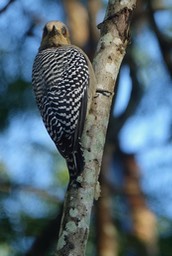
(61, 79)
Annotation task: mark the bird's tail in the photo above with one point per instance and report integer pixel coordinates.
(75, 163)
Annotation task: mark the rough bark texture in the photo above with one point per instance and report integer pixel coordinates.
(79, 198)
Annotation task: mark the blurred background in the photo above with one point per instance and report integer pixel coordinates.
(134, 214)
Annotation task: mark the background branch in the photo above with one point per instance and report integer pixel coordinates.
(6, 6)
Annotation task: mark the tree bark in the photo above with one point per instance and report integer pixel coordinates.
(79, 198)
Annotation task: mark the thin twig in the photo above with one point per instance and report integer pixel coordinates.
(6, 6)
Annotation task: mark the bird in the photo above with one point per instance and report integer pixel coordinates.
(64, 85)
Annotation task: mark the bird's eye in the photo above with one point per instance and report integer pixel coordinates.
(45, 31)
(64, 31)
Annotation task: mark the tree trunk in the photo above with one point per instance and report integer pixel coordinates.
(79, 199)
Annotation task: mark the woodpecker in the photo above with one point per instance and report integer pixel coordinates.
(64, 83)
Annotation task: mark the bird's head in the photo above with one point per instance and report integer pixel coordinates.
(55, 34)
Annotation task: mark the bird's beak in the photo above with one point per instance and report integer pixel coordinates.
(54, 31)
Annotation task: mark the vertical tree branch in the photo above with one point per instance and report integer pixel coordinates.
(143, 220)
(77, 17)
(79, 198)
